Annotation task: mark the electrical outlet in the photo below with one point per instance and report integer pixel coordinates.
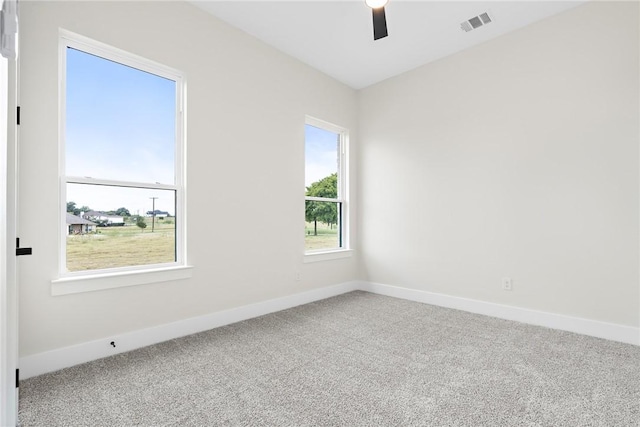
(507, 284)
(298, 276)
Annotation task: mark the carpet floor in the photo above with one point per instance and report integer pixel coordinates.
(358, 359)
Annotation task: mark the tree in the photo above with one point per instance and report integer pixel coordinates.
(123, 212)
(140, 222)
(322, 211)
(72, 209)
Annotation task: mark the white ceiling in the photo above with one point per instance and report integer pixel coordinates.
(336, 37)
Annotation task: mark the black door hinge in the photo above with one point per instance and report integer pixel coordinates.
(22, 251)
(17, 378)
(18, 115)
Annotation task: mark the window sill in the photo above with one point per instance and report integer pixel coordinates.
(328, 255)
(79, 284)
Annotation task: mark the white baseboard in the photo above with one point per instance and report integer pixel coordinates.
(594, 328)
(65, 357)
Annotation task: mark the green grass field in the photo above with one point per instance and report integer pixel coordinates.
(327, 237)
(113, 247)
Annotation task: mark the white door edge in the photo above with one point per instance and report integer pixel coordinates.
(8, 205)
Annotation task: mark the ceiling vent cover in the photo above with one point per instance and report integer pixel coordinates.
(475, 22)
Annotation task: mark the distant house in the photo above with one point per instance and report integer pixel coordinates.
(103, 219)
(158, 214)
(79, 225)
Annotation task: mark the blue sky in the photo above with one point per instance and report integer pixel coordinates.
(120, 125)
(321, 154)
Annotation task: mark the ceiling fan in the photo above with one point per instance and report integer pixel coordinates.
(379, 18)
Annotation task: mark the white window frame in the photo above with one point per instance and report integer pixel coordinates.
(343, 194)
(89, 280)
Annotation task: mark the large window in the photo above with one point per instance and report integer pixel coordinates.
(121, 161)
(325, 185)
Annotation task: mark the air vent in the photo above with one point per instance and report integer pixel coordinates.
(476, 22)
(485, 18)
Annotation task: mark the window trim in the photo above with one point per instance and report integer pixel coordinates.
(136, 274)
(96, 282)
(343, 194)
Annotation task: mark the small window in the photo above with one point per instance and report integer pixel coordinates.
(325, 187)
(121, 145)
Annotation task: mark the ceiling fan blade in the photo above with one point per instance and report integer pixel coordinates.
(379, 23)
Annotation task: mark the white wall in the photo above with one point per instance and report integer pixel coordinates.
(516, 158)
(246, 110)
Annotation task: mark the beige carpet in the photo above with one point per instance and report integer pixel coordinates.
(355, 360)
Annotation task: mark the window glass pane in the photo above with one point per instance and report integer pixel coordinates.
(120, 121)
(322, 229)
(321, 162)
(109, 227)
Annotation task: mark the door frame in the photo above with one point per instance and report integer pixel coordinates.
(8, 289)
(8, 227)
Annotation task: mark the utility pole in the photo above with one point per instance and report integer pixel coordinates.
(153, 213)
